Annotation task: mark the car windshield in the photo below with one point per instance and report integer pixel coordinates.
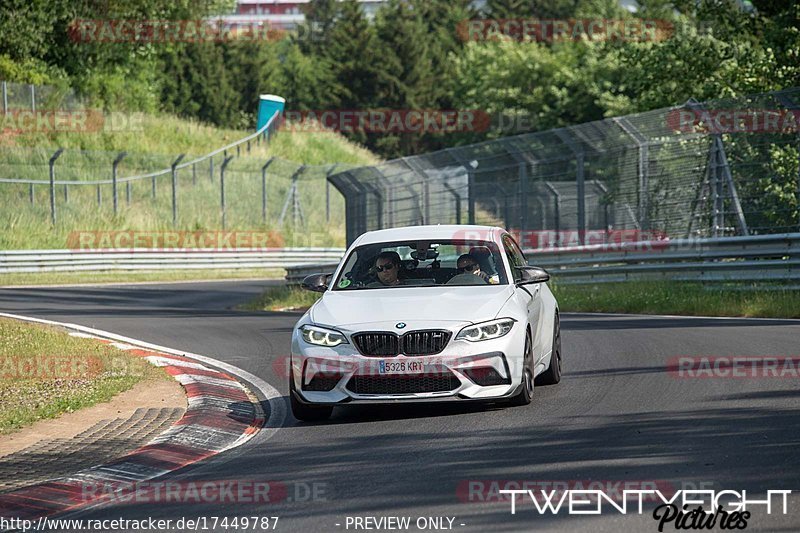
(422, 263)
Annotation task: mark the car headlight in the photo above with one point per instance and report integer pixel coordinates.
(322, 336)
(493, 329)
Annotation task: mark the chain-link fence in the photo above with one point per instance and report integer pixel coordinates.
(16, 97)
(59, 192)
(726, 167)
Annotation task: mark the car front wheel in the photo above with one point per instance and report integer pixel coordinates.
(525, 394)
(552, 375)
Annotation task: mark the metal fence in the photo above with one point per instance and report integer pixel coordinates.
(711, 169)
(229, 188)
(27, 97)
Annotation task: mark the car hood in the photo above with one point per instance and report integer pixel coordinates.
(416, 306)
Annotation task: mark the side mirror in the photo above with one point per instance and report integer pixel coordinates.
(531, 274)
(316, 282)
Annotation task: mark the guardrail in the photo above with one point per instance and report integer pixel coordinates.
(147, 259)
(738, 259)
(763, 258)
(295, 274)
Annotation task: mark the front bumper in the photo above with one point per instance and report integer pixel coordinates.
(464, 370)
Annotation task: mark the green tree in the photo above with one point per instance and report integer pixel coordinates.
(320, 15)
(199, 85)
(550, 9)
(527, 86)
(306, 81)
(409, 81)
(354, 58)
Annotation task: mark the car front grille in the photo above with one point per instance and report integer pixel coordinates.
(425, 342)
(404, 384)
(377, 343)
(422, 342)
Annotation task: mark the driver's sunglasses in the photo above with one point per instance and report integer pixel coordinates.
(388, 266)
(470, 268)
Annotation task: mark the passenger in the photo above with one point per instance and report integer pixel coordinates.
(469, 272)
(387, 268)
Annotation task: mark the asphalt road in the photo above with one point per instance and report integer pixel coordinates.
(619, 415)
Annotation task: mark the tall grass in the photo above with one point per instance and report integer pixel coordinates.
(168, 135)
(680, 298)
(25, 215)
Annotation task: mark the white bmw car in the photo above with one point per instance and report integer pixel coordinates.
(425, 313)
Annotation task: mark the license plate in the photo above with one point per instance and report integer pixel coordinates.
(401, 367)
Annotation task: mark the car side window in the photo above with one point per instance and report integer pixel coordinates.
(518, 252)
(515, 257)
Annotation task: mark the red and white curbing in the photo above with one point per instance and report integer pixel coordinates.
(222, 414)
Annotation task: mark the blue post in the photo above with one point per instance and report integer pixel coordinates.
(268, 105)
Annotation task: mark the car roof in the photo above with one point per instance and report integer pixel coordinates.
(432, 232)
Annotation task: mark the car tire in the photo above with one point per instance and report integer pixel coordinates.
(552, 375)
(525, 395)
(305, 412)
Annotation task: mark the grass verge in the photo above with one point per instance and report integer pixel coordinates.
(171, 135)
(282, 299)
(44, 373)
(679, 298)
(662, 298)
(78, 278)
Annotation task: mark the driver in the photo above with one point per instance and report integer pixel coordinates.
(387, 268)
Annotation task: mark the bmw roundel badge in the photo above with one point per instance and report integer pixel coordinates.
(400, 325)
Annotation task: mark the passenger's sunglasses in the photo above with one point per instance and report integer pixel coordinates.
(389, 266)
(470, 268)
